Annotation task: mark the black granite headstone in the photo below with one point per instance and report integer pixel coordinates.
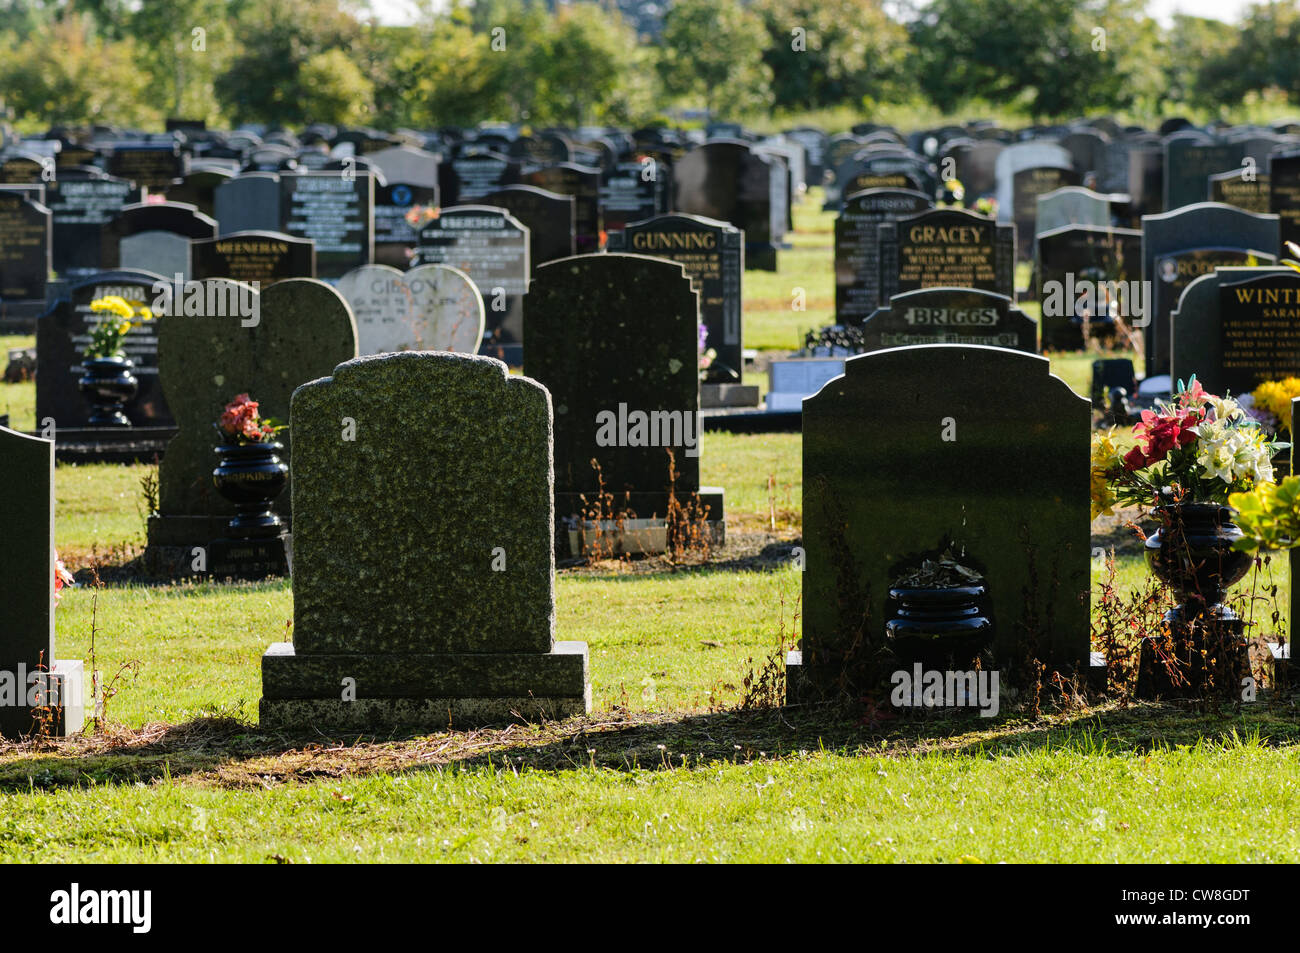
(613, 337)
(907, 455)
(1181, 245)
(262, 257)
(63, 333)
(398, 220)
(1076, 267)
(857, 247)
(583, 183)
(335, 210)
(491, 246)
(947, 248)
(713, 254)
(950, 316)
(549, 217)
(25, 235)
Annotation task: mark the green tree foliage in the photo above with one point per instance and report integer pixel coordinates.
(827, 52)
(1055, 57)
(712, 51)
(133, 62)
(266, 82)
(64, 72)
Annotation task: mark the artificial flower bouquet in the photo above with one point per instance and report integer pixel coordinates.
(241, 423)
(1196, 448)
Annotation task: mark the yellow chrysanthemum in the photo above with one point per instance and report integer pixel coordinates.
(1105, 457)
(1275, 397)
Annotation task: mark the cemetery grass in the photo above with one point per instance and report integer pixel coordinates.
(670, 766)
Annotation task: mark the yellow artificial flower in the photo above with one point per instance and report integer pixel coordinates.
(1105, 457)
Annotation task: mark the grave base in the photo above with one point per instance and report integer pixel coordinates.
(714, 396)
(249, 558)
(647, 506)
(67, 685)
(172, 541)
(425, 691)
(110, 444)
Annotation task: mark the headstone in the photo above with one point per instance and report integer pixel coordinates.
(950, 316)
(17, 169)
(712, 253)
(150, 165)
(25, 235)
(63, 333)
(1072, 205)
(1089, 273)
(814, 142)
(1284, 193)
(414, 167)
(166, 251)
(467, 178)
(161, 229)
(632, 192)
(1029, 185)
(790, 380)
(1250, 193)
(199, 189)
(857, 247)
(1237, 327)
(261, 257)
(1025, 171)
(335, 210)
(491, 246)
(947, 248)
(610, 336)
(429, 308)
(887, 486)
(238, 342)
(248, 203)
(548, 216)
(1190, 159)
(397, 218)
(583, 183)
(81, 210)
(888, 168)
(484, 650)
(36, 678)
(727, 181)
(973, 163)
(1181, 245)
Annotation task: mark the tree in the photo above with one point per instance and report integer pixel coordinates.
(828, 52)
(64, 73)
(1057, 57)
(265, 81)
(585, 66)
(712, 50)
(335, 90)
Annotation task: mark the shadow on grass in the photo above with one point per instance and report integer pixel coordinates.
(226, 753)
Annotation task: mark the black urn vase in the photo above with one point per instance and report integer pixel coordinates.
(1203, 639)
(108, 383)
(251, 476)
(939, 626)
(1192, 553)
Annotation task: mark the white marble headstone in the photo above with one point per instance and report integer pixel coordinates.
(429, 308)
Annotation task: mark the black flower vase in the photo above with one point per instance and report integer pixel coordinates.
(1192, 553)
(108, 384)
(940, 625)
(251, 475)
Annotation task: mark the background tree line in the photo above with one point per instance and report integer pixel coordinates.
(295, 61)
